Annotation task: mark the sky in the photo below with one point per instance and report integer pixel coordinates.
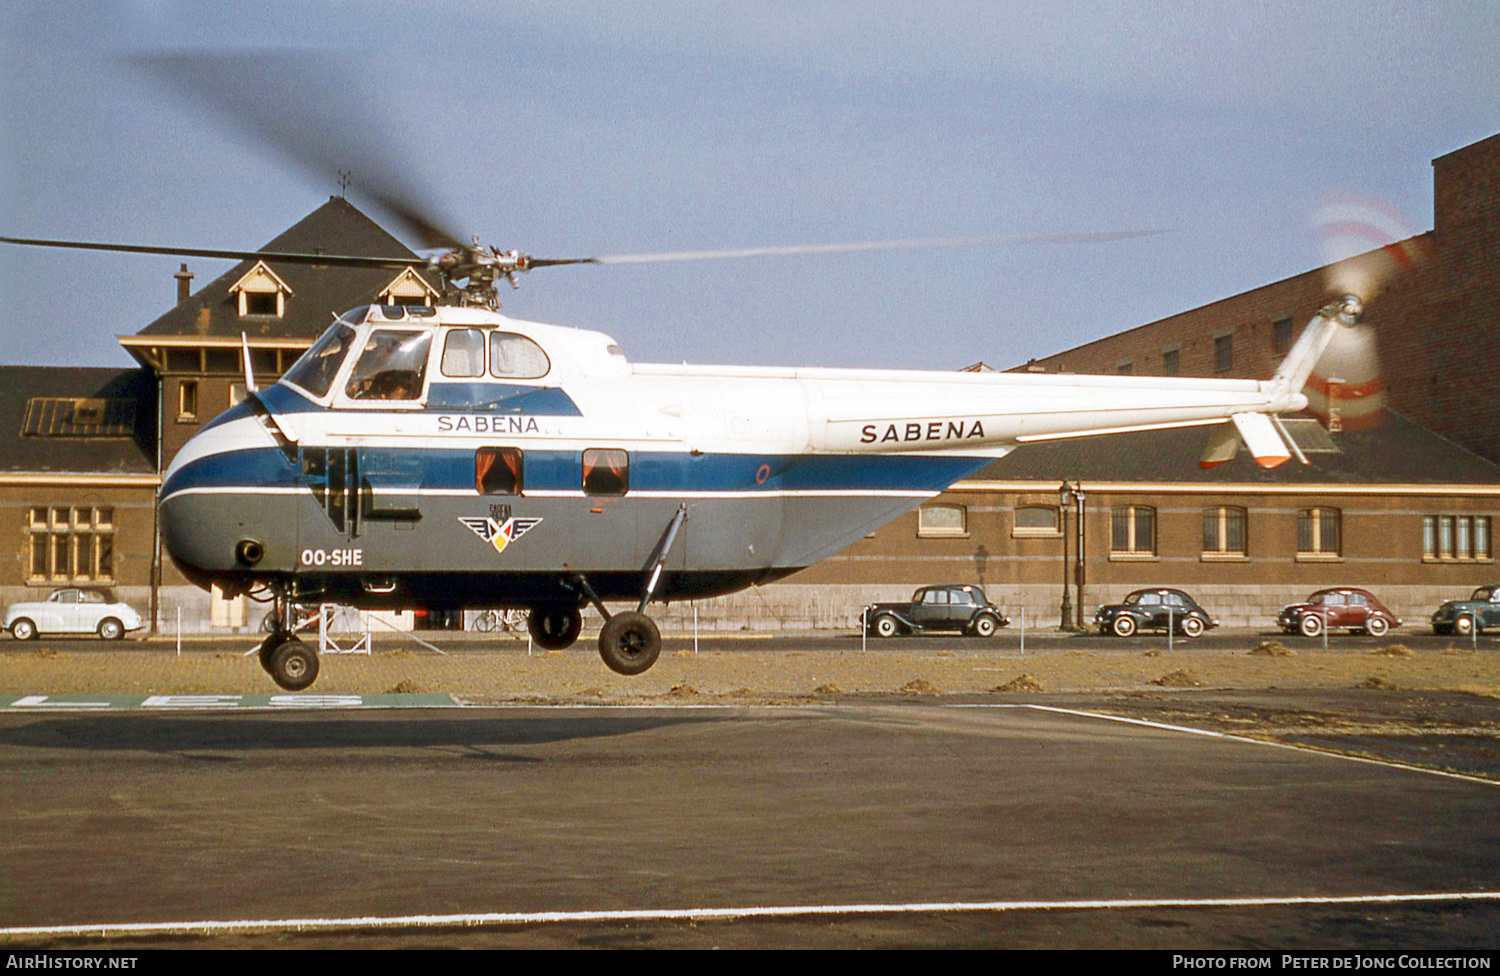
(571, 129)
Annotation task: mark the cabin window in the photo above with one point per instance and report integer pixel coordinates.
(497, 471)
(463, 353)
(392, 366)
(606, 471)
(516, 357)
(316, 368)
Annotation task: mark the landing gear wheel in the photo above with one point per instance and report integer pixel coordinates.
(267, 648)
(986, 626)
(629, 642)
(1192, 627)
(1124, 626)
(294, 665)
(1376, 626)
(555, 629)
(23, 629)
(1311, 626)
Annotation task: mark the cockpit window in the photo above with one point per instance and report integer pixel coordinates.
(392, 366)
(463, 353)
(314, 372)
(516, 357)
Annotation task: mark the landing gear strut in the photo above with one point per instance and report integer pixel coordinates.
(290, 663)
(630, 642)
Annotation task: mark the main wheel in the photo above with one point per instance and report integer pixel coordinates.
(23, 629)
(886, 626)
(111, 629)
(1192, 627)
(555, 628)
(1124, 625)
(1311, 626)
(267, 648)
(294, 665)
(629, 642)
(985, 626)
(1376, 626)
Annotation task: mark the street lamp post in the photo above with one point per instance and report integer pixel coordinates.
(1064, 499)
(1078, 568)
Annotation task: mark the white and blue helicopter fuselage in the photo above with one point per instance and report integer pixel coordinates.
(454, 457)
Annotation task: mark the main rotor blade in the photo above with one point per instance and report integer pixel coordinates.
(341, 260)
(907, 244)
(308, 107)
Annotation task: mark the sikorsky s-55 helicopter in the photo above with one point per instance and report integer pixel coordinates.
(449, 457)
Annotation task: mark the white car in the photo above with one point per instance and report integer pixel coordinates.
(72, 611)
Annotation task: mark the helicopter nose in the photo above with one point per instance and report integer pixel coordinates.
(227, 504)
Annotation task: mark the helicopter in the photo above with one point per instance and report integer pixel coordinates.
(451, 456)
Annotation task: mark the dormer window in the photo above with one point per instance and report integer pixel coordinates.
(408, 288)
(261, 293)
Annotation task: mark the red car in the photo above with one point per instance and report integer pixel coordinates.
(1338, 607)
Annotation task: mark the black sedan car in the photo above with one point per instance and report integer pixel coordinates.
(1154, 609)
(955, 606)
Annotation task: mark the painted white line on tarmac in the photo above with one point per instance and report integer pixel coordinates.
(1229, 737)
(472, 920)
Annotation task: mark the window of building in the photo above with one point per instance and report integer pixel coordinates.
(1456, 537)
(1125, 367)
(1223, 353)
(261, 292)
(1281, 336)
(1169, 362)
(606, 471)
(1319, 532)
(942, 521)
(1132, 531)
(1224, 531)
(71, 544)
(187, 400)
(1036, 520)
(409, 290)
(498, 470)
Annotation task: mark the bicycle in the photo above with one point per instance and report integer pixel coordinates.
(488, 621)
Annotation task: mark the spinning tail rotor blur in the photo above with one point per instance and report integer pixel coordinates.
(1367, 245)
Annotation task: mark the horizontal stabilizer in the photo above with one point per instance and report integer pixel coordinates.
(1262, 439)
(1222, 447)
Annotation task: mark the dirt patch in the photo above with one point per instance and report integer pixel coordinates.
(1272, 649)
(406, 686)
(682, 691)
(1023, 683)
(1179, 679)
(1377, 683)
(828, 689)
(919, 686)
(1394, 650)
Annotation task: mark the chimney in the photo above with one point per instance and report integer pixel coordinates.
(184, 284)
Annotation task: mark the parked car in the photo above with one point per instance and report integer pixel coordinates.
(1480, 610)
(1154, 609)
(73, 611)
(1337, 607)
(957, 606)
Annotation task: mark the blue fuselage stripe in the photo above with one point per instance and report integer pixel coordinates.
(439, 469)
